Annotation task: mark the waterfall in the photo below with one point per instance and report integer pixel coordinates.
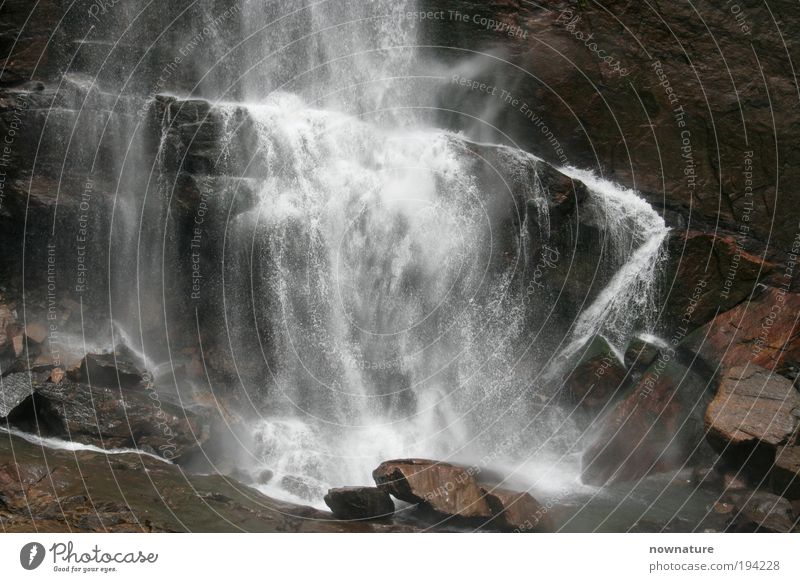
(371, 271)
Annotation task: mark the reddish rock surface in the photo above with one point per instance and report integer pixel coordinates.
(517, 511)
(764, 331)
(753, 406)
(445, 488)
(655, 428)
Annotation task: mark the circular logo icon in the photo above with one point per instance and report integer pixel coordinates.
(31, 555)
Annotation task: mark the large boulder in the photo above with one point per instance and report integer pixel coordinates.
(359, 503)
(445, 488)
(655, 428)
(754, 411)
(597, 376)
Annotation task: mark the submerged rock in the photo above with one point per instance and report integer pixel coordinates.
(359, 503)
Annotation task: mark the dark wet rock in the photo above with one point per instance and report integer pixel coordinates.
(47, 490)
(359, 503)
(597, 377)
(518, 512)
(754, 411)
(108, 370)
(760, 511)
(786, 472)
(710, 274)
(107, 418)
(444, 488)
(657, 427)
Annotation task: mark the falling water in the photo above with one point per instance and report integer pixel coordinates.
(380, 274)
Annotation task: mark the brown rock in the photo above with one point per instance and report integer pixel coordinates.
(752, 405)
(597, 376)
(655, 428)
(519, 512)
(108, 370)
(445, 488)
(359, 503)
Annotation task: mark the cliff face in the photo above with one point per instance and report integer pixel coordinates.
(694, 104)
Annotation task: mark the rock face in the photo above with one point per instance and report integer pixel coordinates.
(359, 503)
(445, 488)
(753, 406)
(453, 491)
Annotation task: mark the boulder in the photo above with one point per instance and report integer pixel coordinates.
(786, 472)
(655, 428)
(359, 503)
(110, 370)
(515, 511)
(752, 406)
(641, 352)
(597, 376)
(444, 488)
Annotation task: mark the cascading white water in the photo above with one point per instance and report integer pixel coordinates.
(387, 276)
(628, 301)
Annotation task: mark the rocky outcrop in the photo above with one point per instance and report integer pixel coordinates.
(445, 488)
(359, 503)
(754, 412)
(106, 401)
